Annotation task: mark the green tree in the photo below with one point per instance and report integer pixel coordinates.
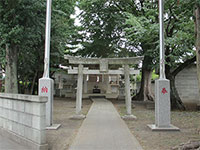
(179, 43)
(142, 31)
(22, 26)
(197, 37)
(102, 33)
(130, 28)
(179, 37)
(16, 18)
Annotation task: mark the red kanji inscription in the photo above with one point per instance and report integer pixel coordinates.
(44, 89)
(164, 91)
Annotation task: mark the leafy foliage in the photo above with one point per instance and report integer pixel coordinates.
(143, 31)
(22, 23)
(102, 28)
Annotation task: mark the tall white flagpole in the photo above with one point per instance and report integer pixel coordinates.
(45, 83)
(47, 40)
(162, 87)
(162, 47)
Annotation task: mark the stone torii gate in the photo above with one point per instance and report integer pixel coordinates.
(104, 69)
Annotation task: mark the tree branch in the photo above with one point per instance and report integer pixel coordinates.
(119, 7)
(184, 65)
(169, 32)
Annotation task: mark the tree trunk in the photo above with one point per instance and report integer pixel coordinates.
(40, 67)
(197, 32)
(145, 92)
(11, 84)
(33, 83)
(176, 102)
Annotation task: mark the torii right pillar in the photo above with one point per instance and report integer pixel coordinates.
(79, 92)
(128, 102)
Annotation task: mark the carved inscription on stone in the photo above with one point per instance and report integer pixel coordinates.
(103, 65)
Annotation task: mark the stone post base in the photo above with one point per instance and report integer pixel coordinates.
(53, 127)
(78, 117)
(153, 127)
(129, 117)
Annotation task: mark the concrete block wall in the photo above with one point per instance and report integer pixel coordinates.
(22, 118)
(187, 84)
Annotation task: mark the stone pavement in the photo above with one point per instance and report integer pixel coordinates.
(7, 144)
(103, 129)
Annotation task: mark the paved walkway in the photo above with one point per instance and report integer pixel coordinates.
(103, 129)
(7, 144)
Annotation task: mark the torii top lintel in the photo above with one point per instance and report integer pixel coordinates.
(88, 61)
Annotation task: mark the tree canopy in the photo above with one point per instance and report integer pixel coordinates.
(131, 28)
(109, 28)
(22, 25)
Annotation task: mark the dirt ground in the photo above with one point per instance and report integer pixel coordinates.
(187, 121)
(63, 109)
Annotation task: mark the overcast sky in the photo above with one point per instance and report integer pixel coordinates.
(75, 16)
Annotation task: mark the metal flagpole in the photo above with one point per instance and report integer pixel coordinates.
(162, 49)
(46, 85)
(47, 39)
(162, 87)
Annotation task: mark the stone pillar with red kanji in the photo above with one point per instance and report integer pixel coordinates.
(46, 89)
(162, 107)
(162, 103)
